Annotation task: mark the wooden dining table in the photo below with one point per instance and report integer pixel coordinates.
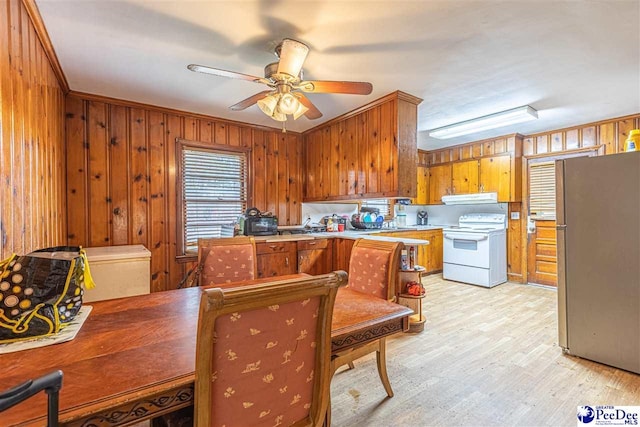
(134, 357)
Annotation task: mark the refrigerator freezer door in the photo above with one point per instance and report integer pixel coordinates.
(601, 198)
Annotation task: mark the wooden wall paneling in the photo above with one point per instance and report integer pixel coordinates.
(572, 140)
(476, 150)
(6, 106)
(588, 136)
(624, 126)
(220, 133)
(119, 175)
(406, 119)
(542, 144)
(608, 136)
(157, 219)
(528, 147)
(206, 129)
(32, 203)
(500, 146)
(19, 113)
(99, 233)
(488, 148)
(350, 148)
(514, 244)
(363, 153)
(139, 178)
(191, 129)
(557, 143)
(233, 135)
(173, 128)
(259, 169)
(77, 189)
(271, 196)
(371, 143)
(294, 148)
(282, 160)
(388, 144)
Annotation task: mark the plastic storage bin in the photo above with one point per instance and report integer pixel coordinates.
(118, 271)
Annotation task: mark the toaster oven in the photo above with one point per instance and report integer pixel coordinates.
(261, 226)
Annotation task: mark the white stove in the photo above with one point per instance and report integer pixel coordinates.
(475, 251)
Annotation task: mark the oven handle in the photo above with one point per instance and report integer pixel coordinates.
(471, 237)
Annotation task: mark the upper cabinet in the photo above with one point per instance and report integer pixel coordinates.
(367, 153)
(484, 166)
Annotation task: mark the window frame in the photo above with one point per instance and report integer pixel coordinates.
(182, 144)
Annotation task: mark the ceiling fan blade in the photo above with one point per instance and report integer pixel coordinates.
(312, 112)
(292, 55)
(324, 86)
(225, 73)
(249, 101)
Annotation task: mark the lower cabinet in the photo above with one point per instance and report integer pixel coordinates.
(276, 259)
(342, 253)
(429, 256)
(315, 256)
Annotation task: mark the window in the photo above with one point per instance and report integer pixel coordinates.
(383, 205)
(542, 190)
(212, 191)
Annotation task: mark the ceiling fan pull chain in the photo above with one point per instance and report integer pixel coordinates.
(284, 127)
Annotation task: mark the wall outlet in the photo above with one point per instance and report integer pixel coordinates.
(515, 215)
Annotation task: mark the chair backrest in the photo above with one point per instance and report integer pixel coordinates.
(373, 268)
(263, 353)
(227, 260)
(50, 383)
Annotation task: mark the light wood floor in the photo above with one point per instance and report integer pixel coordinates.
(487, 357)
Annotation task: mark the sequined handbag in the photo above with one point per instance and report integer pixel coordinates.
(41, 292)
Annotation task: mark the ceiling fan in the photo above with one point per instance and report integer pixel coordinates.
(287, 85)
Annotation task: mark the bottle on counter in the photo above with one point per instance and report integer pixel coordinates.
(404, 265)
(401, 217)
(412, 257)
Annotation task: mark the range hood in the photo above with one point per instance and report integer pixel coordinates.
(470, 199)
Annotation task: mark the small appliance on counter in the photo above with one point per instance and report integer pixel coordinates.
(422, 218)
(258, 223)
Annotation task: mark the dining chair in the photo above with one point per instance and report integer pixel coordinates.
(50, 383)
(226, 260)
(373, 269)
(263, 353)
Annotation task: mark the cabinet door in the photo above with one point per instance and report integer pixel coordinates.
(422, 192)
(495, 175)
(439, 183)
(276, 259)
(434, 251)
(465, 177)
(314, 256)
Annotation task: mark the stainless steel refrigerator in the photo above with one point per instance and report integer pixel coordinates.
(598, 224)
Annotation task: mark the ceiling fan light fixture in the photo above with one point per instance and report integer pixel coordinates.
(492, 121)
(268, 104)
(292, 55)
(300, 111)
(288, 104)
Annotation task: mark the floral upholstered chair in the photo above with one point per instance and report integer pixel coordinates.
(373, 269)
(226, 260)
(263, 353)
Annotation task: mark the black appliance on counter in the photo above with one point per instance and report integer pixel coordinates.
(422, 218)
(258, 223)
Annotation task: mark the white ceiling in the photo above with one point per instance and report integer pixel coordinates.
(573, 61)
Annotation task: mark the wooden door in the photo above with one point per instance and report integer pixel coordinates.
(465, 177)
(541, 257)
(439, 183)
(495, 175)
(434, 251)
(422, 188)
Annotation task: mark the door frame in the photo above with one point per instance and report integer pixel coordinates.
(597, 150)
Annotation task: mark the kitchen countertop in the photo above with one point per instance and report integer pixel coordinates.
(353, 234)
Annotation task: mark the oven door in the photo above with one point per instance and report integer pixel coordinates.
(470, 249)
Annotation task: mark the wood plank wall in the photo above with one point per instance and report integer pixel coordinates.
(32, 151)
(121, 172)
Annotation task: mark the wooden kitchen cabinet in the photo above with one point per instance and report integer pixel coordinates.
(439, 183)
(315, 256)
(495, 175)
(368, 153)
(429, 256)
(276, 258)
(464, 177)
(422, 186)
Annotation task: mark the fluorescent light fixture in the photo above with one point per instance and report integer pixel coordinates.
(492, 121)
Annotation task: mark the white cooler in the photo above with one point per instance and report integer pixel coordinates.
(118, 271)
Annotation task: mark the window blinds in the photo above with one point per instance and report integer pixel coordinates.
(383, 205)
(214, 192)
(542, 190)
